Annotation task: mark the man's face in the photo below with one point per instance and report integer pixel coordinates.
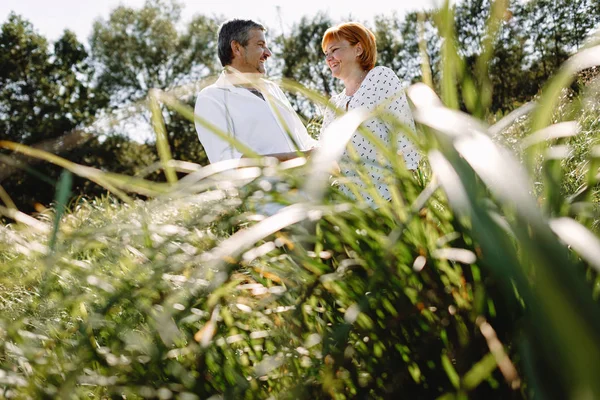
(254, 54)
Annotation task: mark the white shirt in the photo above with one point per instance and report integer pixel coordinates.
(267, 126)
(380, 85)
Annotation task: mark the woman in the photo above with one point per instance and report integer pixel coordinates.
(350, 52)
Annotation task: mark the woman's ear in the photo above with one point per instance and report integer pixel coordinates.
(359, 50)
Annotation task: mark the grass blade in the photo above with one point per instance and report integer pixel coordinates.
(162, 144)
(579, 238)
(63, 192)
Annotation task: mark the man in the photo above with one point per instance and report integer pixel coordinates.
(244, 105)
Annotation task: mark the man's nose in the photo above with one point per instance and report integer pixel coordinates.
(268, 52)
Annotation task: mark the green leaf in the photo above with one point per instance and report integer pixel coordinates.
(450, 371)
(63, 192)
(479, 372)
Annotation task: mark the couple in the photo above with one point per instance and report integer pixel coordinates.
(256, 112)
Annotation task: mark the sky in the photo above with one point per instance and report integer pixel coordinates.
(50, 18)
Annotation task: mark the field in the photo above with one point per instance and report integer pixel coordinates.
(478, 280)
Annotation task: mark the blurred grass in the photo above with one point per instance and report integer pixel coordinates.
(478, 280)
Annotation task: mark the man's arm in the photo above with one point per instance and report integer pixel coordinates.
(290, 155)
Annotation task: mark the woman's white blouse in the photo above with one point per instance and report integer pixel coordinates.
(379, 86)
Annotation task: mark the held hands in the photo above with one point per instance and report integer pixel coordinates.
(290, 155)
(335, 170)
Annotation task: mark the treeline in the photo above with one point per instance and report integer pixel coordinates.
(86, 102)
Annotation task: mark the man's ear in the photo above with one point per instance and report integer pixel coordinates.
(236, 48)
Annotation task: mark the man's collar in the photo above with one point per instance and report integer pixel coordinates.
(230, 77)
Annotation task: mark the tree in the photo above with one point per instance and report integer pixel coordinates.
(389, 42)
(43, 94)
(505, 67)
(140, 49)
(555, 31)
(398, 44)
(471, 17)
(509, 77)
(304, 63)
(46, 99)
(534, 39)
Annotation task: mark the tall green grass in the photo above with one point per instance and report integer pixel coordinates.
(479, 279)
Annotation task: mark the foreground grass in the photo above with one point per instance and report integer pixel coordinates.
(192, 294)
(126, 303)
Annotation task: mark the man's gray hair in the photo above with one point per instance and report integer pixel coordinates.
(234, 29)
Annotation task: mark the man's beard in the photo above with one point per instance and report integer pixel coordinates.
(258, 68)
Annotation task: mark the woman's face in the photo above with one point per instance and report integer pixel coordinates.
(341, 57)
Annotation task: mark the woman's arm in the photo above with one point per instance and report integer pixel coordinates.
(392, 94)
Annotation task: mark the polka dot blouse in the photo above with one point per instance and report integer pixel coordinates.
(379, 86)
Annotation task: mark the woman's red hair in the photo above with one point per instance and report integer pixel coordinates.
(354, 33)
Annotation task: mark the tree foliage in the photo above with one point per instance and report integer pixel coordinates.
(141, 49)
(415, 27)
(303, 60)
(43, 94)
(46, 98)
(535, 38)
